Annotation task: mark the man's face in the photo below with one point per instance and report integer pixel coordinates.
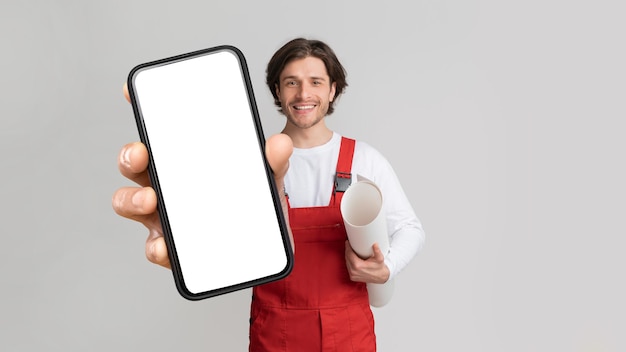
(305, 91)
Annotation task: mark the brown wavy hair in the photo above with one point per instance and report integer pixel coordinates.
(301, 48)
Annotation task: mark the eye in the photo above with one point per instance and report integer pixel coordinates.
(317, 83)
(291, 83)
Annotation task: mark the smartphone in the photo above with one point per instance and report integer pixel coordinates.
(219, 207)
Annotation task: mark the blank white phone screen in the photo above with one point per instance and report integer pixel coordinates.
(211, 173)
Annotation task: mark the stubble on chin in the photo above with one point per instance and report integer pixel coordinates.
(304, 125)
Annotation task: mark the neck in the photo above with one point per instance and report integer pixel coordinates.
(305, 138)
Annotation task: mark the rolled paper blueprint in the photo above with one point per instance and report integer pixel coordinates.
(365, 222)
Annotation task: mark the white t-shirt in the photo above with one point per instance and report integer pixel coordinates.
(309, 183)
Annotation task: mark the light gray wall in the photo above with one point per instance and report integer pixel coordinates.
(504, 120)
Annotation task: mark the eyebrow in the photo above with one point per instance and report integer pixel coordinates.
(316, 78)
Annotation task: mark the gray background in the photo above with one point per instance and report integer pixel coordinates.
(503, 119)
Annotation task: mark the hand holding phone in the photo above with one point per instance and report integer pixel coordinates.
(218, 203)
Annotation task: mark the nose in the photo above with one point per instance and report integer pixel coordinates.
(304, 90)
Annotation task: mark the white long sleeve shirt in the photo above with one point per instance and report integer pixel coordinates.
(309, 183)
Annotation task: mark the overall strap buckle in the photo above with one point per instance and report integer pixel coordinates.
(343, 180)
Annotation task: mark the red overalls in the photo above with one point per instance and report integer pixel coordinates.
(317, 307)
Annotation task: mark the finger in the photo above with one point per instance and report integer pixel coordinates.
(357, 267)
(125, 91)
(349, 253)
(349, 250)
(156, 249)
(135, 203)
(133, 163)
(140, 203)
(378, 255)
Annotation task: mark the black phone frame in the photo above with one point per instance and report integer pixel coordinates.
(167, 233)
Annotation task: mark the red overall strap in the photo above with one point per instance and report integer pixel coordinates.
(344, 167)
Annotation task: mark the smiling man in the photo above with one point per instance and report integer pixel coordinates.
(323, 304)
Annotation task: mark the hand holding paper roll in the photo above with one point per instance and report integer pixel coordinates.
(365, 222)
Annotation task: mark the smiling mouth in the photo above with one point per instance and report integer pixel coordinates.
(303, 107)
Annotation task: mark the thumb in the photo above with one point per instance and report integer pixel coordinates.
(378, 254)
(278, 149)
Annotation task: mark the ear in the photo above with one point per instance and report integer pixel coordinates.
(331, 96)
(277, 90)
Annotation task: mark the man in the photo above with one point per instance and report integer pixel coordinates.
(323, 304)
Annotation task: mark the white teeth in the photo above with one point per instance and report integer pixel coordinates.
(304, 107)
